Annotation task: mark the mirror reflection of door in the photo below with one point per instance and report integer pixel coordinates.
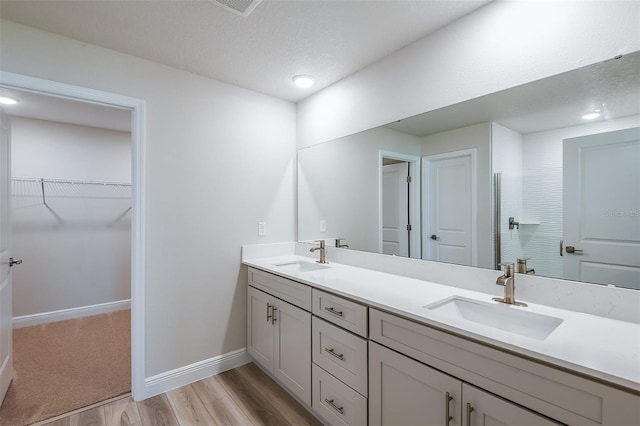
(449, 207)
(601, 219)
(395, 208)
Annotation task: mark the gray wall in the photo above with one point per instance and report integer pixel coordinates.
(501, 45)
(219, 160)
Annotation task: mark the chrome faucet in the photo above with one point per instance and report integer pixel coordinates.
(323, 258)
(508, 281)
(522, 267)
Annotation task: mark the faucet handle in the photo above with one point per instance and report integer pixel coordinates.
(508, 268)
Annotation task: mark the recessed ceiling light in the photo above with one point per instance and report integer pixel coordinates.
(592, 115)
(304, 80)
(8, 100)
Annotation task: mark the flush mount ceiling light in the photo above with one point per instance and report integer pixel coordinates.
(591, 116)
(8, 100)
(304, 80)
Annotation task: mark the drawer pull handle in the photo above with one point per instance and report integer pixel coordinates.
(334, 406)
(447, 409)
(469, 410)
(333, 311)
(269, 315)
(332, 352)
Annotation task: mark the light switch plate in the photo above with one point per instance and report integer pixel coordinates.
(262, 229)
(323, 226)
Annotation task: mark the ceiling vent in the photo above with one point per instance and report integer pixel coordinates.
(239, 7)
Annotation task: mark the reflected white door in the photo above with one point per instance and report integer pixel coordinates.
(6, 365)
(601, 219)
(395, 209)
(449, 234)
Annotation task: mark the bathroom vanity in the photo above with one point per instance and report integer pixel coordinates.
(358, 346)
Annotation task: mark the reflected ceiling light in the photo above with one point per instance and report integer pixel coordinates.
(592, 115)
(304, 80)
(8, 100)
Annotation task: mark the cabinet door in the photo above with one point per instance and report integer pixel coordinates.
(482, 408)
(292, 360)
(405, 392)
(259, 327)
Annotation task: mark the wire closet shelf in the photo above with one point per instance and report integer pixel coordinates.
(44, 188)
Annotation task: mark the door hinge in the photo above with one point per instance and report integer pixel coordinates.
(408, 227)
(408, 179)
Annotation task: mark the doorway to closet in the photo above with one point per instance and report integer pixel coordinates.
(71, 227)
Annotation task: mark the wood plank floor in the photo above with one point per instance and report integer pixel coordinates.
(242, 396)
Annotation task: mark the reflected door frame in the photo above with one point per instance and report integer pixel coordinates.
(426, 176)
(414, 199)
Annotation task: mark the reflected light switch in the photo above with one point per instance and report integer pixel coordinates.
(262, 229)
(323, 226)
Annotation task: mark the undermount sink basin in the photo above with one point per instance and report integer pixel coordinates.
(498, 316)
(301, 266)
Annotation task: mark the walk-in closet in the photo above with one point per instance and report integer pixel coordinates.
(70, 225)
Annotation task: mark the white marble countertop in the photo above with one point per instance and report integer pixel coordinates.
(602, 348)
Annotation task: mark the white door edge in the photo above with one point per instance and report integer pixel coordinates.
(138, 224)
(426, 168)
(414, 199)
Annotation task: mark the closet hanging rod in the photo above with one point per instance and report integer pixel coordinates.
(69, 181)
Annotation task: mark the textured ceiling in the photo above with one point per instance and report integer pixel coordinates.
(329, 39)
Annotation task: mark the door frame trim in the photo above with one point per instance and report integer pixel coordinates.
(138, 200)
(426, 168)
(414, 199)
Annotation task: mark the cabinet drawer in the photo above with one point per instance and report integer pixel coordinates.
(296, 293)
(340, 353)
(343, 312)
(550, 391)
(336, 402)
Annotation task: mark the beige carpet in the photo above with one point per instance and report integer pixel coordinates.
(66, 365)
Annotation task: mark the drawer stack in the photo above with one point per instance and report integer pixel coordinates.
(339, 355)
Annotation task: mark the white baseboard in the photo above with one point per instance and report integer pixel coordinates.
(182, 376)
(71, 313)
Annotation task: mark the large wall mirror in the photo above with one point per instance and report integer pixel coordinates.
(547, 172)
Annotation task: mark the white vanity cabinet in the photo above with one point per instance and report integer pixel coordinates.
(279, 338)
(340, 385)
(493, 378)
(355, 364)
(406, 392)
